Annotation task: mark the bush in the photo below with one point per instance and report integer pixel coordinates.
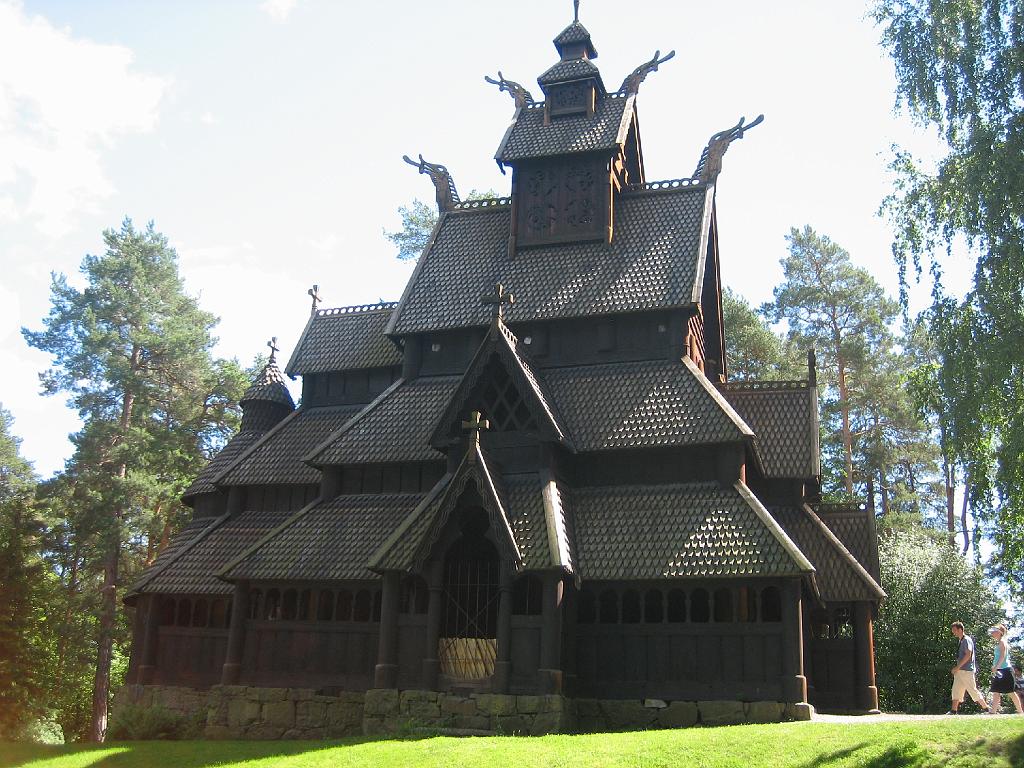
(929, 586)
(136, 723)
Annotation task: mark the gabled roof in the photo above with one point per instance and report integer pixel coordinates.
(654, 262)
(179, 543)
(277, 457)
(574, 33)
(193, 570)
(236, 446)
(345, 338)
(394, 427)
(409, 546)
(782, 415)
(499, 342)
(565, 71)
(855, 527)
(839, 575)
(605, 131)
(642, 404)
(691, 530)
(326, 541)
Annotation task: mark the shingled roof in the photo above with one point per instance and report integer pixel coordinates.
(278, 456)
(345, 338)
(192, 571)
(642, 404)
(180, 542)
(269, 387)
(855, 527)
(236, 446)
(327, 541)
(528, 137)
(840, 577)
(655, 262)
(394, 427)
(782, 415)
(694, 530)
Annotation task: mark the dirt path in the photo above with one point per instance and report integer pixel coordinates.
(898, 717)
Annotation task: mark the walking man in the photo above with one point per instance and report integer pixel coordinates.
(963, 672)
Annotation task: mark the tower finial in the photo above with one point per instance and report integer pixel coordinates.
(274, 349)
(314, 293)
(576, 10)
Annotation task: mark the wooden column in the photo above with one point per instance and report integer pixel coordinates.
(794, 683)
(864, 648)
(431, 664)
(385, 675)
(503, 663)
(150, 639)
(231, 673)
(550, 671)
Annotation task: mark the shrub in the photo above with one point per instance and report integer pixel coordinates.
(136, 723)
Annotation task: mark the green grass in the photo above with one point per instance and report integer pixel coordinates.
(962, 743)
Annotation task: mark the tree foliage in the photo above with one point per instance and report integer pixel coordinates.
(752, 349)
(960, 71)
(418, 221)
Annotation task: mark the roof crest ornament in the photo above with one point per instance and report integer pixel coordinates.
(444, 187)
(473, 426)
(314, 293)
(498, 300)
(274, 349)
(710, 164)
(519, 94)
(576, 10)
(632, 82)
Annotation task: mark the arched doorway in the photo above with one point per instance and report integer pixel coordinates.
(469, 627)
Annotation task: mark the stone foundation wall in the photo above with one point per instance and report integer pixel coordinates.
(244, 712)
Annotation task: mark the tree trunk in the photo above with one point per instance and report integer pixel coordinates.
(844, 409)
(883, 492)
(947, 477)
(963, 516)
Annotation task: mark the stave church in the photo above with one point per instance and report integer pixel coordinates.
(527, 496)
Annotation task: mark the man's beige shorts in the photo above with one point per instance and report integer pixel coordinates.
(964, 682)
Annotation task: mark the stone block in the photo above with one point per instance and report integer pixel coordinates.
(655, 703)
(527, 705)
(230, 690)
(352, 697)
(280, 714)
(407, 698)
(242, 712)
(473, 722)
(381, 701)
(300, 694)
(588, 707)
(217, 732)
(458, 705)
(721, 712)
(553, 702)
(764, 712)
(628, 715)
(495, 703)
(344, 716)
(424, 710)
(265, 732)
(513, 725)
(269, 694)
(310, 714)
(678, 714)
(799, 711)
(324, 699)
(546, 722)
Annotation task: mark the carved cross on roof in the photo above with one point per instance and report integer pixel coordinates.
(473, 426)
(498, 300)
(314, 293)
(274, 349)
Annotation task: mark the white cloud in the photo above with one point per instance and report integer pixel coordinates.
(64, 101)
(208, 118)
(278, 10)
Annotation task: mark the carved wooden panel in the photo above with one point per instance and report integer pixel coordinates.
(562, 201)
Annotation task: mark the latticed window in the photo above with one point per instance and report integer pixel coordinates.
(502, 404)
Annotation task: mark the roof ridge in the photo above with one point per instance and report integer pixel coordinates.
(763, 385)
(844, 551)
(216, 479)
(309, 457)
(717, 396)
(222, 573)
(153, 573)
(428, 498)
(799, 558)
(355, 309)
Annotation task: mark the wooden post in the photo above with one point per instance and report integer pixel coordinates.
(231, 673)
(236, 500)
(150, 640)
(431, 664)
(794, 683)
(864, 648)
(551, 635)
(385, 675)
(503, 663)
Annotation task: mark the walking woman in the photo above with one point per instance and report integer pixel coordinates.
(1002, 671)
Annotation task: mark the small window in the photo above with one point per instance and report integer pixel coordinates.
(526, 596)
(363, 608)
(324, 605)
(376, 605)
(586, 608)
(842, 626)
(289, 603)
(700, 606)
(747, 604)
(630, 607)
(167, 611)
(219, 614)
(723, 606)
(609, 602)
(184, 612)
(414, 595)
(654, 608)
(676, 606)
(343, 606)
(771, 604)
(272, 605)
(305, 606)
(254, 604)
(200, 613)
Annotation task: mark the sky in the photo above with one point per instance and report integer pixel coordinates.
(265, 139)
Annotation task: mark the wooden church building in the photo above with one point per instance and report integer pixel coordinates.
(532, 475)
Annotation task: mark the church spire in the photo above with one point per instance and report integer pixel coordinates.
(572, 85)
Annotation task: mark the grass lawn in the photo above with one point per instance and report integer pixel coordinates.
(963, 742)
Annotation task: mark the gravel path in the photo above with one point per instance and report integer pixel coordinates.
(897, 717)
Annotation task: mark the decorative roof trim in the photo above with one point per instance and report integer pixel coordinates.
(722, 403)
(311, 457)
(773, 526)
(507, 134)
(558, 544)
(763, 386)
(482, 204)
(627, 118)
(383, 306)
(389, 329)
(374, 562)
(846, 554)
(222, 574)
(664, 185)
(702, 248)
(140, 585)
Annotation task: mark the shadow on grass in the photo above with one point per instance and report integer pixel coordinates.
(899, 756)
